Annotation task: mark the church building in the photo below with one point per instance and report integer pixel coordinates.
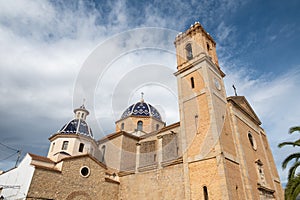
(217, 151)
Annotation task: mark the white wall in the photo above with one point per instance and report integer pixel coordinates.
(20, 176)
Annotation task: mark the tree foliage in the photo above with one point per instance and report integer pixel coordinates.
(292, 189)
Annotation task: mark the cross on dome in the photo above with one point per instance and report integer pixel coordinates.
(142, 96)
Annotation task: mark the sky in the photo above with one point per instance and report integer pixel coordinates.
(47, 47)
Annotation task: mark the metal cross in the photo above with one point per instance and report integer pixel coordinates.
(234, 90)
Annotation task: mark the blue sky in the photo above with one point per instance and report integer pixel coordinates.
(44, 44)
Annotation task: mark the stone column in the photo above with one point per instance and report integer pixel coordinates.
(137, 158)
(159, 151)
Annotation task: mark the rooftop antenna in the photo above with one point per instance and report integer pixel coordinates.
(234, 90)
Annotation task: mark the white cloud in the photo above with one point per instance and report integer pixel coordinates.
(42, 48)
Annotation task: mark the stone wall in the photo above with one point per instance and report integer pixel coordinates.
(128, 156)
(70, 184)
(207, 173)
(166, 183)
(148, 154)
(258, 152)
(169, 147)
(234, 180)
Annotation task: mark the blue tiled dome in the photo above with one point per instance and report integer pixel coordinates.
(77, 126)
(141, 108)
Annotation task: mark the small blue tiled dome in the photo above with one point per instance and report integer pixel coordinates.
(77, 126)
(141, 108)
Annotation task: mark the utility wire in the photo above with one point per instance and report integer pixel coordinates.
(8, 147)
(10, 156)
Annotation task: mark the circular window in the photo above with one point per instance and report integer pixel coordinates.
(252, 141)
(85, 171)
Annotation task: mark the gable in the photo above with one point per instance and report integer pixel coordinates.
(242, 104)
(84, 158)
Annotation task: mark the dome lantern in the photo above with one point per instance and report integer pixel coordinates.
(81, 112)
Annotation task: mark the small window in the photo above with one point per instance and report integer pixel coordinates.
(205, 193)
(82, 115)
(78, 114)
(53, 145)
(189, 52)
(140, 126)
(192, 82)
(250, 137)
(157, 126)
(65, 145)
(85, 171)
(208, 47)
(122, 126)
(81, 146)
(252, 141)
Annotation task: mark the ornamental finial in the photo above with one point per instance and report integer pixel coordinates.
(142, 96)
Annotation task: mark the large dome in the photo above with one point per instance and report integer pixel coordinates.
(141, 108)
(77, 126)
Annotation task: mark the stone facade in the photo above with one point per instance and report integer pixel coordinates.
(166, 183)
(217, 150)
(69, 183)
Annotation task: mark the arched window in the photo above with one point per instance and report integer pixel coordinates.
(189, 51)
(208, 47)
(65, 145)
(252, 141)
(122, 126)
(82, 115)
(140, 126)
(192, 82)
(81, 146)
(250, 137)
(205, 193)
(103, 153)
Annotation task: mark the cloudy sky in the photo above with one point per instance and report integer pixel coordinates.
(47, 47)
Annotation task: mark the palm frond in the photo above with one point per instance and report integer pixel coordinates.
(294, 129)
(296, 143)
(292, 170)
(289, 158)
(296, 191)
(292, 188)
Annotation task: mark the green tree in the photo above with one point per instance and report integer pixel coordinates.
(293, 186)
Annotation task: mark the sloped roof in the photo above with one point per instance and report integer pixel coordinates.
(40, 158)
(243, 105)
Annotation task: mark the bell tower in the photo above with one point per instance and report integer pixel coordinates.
(202, 104)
